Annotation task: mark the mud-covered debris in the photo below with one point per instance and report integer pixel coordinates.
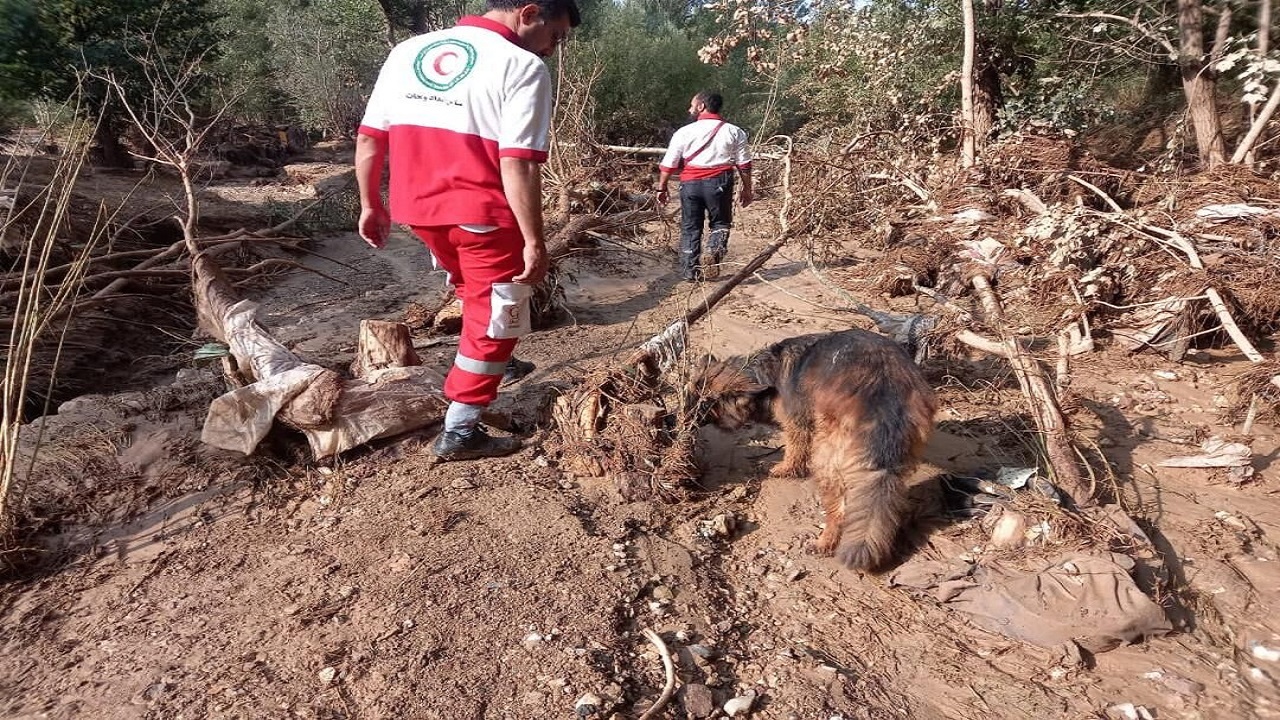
(1232, 211)
(722, 525)
(703, 651)
(1129, 711)
(740, 706)
(1230, 520)
(588, 705)
(698, 701)
(1262, 652)
(1175, 682)
(1010, 530)
(1240, 474)
(1015, 478)
(1086, 599)
(1216, 452)
(532, 641)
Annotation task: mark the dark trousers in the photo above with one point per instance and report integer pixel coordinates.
(709, 200)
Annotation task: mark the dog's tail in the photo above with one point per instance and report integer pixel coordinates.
(880, 451)
(875, 506)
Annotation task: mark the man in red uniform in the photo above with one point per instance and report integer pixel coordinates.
(463, 115)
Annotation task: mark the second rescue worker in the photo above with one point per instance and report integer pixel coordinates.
(706, 152)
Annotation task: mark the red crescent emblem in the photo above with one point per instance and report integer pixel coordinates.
(440, 59)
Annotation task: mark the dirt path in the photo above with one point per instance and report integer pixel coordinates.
(382, 587)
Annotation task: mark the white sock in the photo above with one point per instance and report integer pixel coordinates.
(461, 417)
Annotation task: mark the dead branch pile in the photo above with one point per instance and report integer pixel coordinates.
(1042, 247)
(614, 423)
(1257, 388)
(1071, 247)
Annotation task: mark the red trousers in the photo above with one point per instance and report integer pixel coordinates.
(475, 261)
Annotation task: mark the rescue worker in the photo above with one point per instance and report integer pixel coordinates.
(463, 116)
(706, 152)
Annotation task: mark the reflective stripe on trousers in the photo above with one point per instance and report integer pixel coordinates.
(480, 367)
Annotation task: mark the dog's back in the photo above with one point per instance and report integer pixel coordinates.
(868, 411)
(857, 379)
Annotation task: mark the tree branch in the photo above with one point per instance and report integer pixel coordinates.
(1131, 22)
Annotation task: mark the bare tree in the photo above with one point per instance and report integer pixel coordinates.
(968, 153)
(1196, 63)
(1263, 47)
(986, 80)
(1199, 84)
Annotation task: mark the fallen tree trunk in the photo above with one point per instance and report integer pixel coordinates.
(1039, 391)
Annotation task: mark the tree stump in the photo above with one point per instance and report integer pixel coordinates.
(383, 344)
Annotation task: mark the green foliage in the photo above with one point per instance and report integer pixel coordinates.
(45, 43)
(326, 57)
(27, 51)
(48, 48)
(413, 17)
(244, 68)
(309, 62)
(1052, 103)
(888, 66)
(649, 69)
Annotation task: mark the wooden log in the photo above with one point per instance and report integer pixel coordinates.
(383, 344)
(314, 407)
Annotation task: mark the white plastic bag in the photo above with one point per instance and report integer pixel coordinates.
(509, 310)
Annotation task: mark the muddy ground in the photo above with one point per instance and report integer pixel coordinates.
(196, 584)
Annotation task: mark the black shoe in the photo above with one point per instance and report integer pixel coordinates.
(454, 445)
(516, 370)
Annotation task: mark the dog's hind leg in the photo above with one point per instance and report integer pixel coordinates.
(797, 446)
(832, 493)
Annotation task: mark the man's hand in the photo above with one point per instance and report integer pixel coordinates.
(663, 196)
(535, 264)
(375, 226)
(745, 196)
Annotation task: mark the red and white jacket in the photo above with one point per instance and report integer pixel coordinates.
(451, 103)
(725, 150)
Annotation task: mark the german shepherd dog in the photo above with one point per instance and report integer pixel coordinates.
(855, 413)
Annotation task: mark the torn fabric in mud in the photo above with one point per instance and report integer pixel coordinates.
(1090, 600)
(384, 403)
(240, 419)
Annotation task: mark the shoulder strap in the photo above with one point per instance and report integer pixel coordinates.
(689, 158)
